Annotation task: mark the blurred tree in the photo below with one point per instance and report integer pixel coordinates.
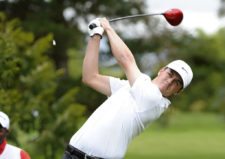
(221, 11)
(29, 84)
(66, 20)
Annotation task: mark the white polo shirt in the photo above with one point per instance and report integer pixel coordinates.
(120, 118)
(11, 152)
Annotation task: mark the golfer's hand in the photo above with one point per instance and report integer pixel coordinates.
(97, 29)
(105, 24)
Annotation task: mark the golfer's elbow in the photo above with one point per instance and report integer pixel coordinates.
(85, 79)
(88, 79)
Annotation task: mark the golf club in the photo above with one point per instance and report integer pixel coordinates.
(173, 17)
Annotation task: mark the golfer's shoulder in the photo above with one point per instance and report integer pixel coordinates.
(142, 78)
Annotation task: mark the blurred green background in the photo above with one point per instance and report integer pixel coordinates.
(189, 136)
(42, 45)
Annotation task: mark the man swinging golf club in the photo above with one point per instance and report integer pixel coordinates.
(131, 105)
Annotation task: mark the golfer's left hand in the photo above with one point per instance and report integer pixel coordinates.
(97, 30)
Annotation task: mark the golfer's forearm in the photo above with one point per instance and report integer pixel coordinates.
(119, 49)
(90, 63)
(123, 56)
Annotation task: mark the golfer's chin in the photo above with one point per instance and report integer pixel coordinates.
(164, 90)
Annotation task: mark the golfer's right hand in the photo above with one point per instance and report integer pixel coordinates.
(94, 28)
(105, 24)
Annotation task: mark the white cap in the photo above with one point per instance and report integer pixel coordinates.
(4, 120)
(183, 69)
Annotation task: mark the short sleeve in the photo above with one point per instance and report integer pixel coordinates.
(116, 84)
(141, 86)
(24, 155)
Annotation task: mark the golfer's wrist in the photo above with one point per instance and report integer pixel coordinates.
(96, 36)
(108, 28)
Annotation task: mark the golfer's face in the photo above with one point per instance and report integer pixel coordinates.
(169, 82)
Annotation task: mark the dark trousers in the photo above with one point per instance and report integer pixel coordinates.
(73, 153)
(67, 155)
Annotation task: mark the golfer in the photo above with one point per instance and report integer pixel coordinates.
(131, 105)
(8, 151)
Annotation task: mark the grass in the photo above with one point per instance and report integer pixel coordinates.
(189, 136)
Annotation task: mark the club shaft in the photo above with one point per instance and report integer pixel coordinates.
(128, 17)
(134, 16)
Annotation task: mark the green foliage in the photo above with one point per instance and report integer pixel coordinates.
(43, 17)
(29, 85)
(74, 63)
(221, 11)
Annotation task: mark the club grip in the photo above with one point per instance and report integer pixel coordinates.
(92, 26)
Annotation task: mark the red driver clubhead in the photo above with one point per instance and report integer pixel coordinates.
(173, 16)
